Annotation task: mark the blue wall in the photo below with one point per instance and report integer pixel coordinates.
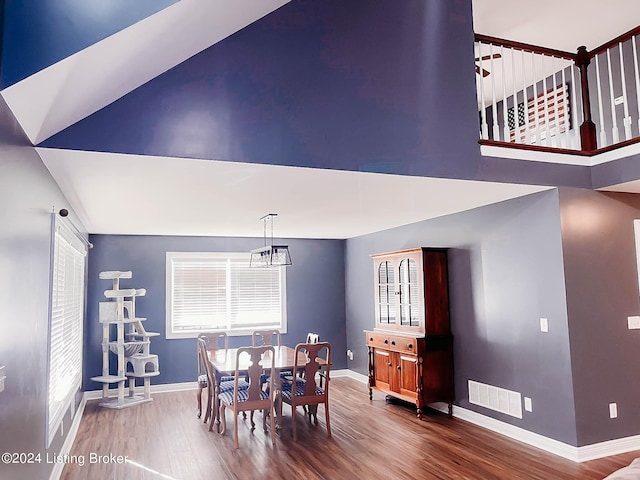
(345, 84)
(382, 86)
(315, 295)
(28, 193)
(39, 33)
(505, 272)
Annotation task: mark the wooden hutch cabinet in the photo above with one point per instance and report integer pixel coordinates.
(410, 346)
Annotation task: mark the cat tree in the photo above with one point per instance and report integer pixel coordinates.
(131, 347)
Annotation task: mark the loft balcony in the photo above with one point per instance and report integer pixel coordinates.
(533, 98)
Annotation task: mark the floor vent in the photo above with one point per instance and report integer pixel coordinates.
(498, 399)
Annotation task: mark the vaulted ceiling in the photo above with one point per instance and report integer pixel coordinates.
(62, 66)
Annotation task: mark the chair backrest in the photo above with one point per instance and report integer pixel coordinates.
(317, 355)
(203, 361)
(213, 342)
(265, 337)
(260, 361)
(313, 338)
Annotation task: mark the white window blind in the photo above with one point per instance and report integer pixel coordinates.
(65, 327)
(218, 291)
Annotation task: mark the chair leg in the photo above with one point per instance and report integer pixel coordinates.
(313, 413)
(208, 413)
(272, 414)
(293, 422)
(253, 424)
(326, 416)
(215, 409)
(199, 398)
(235, 428)
(223, 420)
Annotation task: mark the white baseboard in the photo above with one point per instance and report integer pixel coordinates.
(351, 374)
(71, 437)
(570, 452)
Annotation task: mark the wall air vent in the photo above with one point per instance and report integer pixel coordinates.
(495, 398)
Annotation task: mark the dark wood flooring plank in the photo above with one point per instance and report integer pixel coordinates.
(164, 439)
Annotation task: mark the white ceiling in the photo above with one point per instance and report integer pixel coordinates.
(126, 194)
(134, 194)
(558, 24)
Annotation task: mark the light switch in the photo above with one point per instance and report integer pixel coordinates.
(613, 410)
(2, 377)
(544, 325)
(527, 404)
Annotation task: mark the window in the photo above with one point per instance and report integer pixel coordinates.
(65, 326)
(218, 291)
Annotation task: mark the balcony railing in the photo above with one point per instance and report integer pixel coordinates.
(542, 98)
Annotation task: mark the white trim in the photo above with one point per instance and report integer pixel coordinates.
(534, 156)
(71, 437)
(560, 158)
(570, 452)
(350, 374)
(616, 154)
(159, 388)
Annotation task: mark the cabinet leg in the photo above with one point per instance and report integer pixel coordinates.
(450, 410)
(419, 413)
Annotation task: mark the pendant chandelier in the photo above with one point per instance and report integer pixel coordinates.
(269, 255)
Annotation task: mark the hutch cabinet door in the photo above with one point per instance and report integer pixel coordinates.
(382, 368)
(399, 292)
(407, 375)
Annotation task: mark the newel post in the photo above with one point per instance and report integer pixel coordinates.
(588, 128)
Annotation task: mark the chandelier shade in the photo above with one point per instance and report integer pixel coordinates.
(270, 255)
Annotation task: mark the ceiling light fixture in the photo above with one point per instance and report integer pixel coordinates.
(270, 255)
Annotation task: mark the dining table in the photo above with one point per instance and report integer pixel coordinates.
(223, 362)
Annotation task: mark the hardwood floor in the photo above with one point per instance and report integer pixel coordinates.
(164, 439)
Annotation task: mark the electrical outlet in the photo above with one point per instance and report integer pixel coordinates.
(544, 325)
(350, 354)
(633, 322)
(613, 410)
(527, 404)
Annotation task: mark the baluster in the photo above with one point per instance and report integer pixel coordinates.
(614, 120)
(494, 107)
(627, 118)
(505, 121)
(637, 77)
(516, 116)
(545, 102)
(525, 100)
(536, 124)
(603, 134)
(565, 143)
(556, 124)
(485, 125)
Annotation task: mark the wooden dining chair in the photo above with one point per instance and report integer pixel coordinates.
(208, 380)
(265, 337)
(213, 341)
(257, 396)
(304, 390)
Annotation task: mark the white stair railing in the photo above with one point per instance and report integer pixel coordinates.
(524, 95)
(533, 96)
